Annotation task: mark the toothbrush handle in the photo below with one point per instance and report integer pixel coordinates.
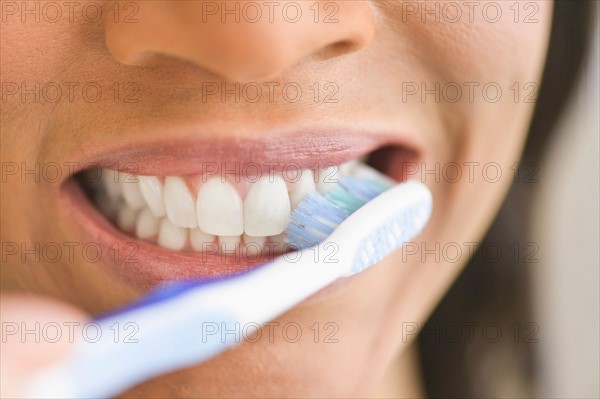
(123, 351)
(178, 326)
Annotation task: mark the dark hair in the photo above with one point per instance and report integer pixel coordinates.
(496, 293)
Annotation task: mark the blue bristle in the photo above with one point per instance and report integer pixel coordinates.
(318, 215)
(344, 199)
(364, 189)
(312, 221)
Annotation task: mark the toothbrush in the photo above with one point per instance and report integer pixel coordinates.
(358, 223)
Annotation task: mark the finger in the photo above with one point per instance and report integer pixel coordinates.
(36, 332)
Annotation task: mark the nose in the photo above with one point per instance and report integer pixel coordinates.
(239, 40)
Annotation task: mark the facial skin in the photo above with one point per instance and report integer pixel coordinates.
(375, 52)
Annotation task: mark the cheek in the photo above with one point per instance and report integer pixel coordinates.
(35, 84)
(489, 73)
(497, 68)
(484, 39)
(507, 59)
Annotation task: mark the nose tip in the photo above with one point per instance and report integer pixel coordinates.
(241, 40)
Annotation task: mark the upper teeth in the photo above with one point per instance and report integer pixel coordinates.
(267, 207)
(219, 209)
(181, 216)
(180, 204)
(152, 190)
(304, 186)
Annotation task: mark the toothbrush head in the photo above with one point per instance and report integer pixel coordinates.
(370, 217)
(318, 215)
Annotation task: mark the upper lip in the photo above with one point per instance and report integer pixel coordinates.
(185, 152)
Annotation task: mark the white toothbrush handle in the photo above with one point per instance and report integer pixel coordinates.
(183, 328)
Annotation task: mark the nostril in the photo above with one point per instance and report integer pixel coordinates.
(337, 49)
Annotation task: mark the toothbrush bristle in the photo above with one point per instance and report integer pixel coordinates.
(318, 215)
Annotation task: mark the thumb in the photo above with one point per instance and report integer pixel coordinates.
(36, 332)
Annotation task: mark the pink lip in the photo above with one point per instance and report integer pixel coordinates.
(144, 265)
(181, 151)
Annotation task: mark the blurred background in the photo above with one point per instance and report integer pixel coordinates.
(542, 295)
(565, 224)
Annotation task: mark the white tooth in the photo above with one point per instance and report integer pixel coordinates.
(328, 178)
(229, 243)
(302, 187)
(179, 203)
(254, 245)
(152, 191)
(347, 168)
(110, 180)
(171, 236)
(126, 218)
(364, 171)
(199, 239)
(267, 207)
(131, 190)
(220, 209)
(147, 224)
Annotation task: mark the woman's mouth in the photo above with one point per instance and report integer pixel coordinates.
(224, 218)
(217, 212)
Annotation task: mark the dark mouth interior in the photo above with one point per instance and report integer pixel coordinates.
(87, 181)
(390, 159)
